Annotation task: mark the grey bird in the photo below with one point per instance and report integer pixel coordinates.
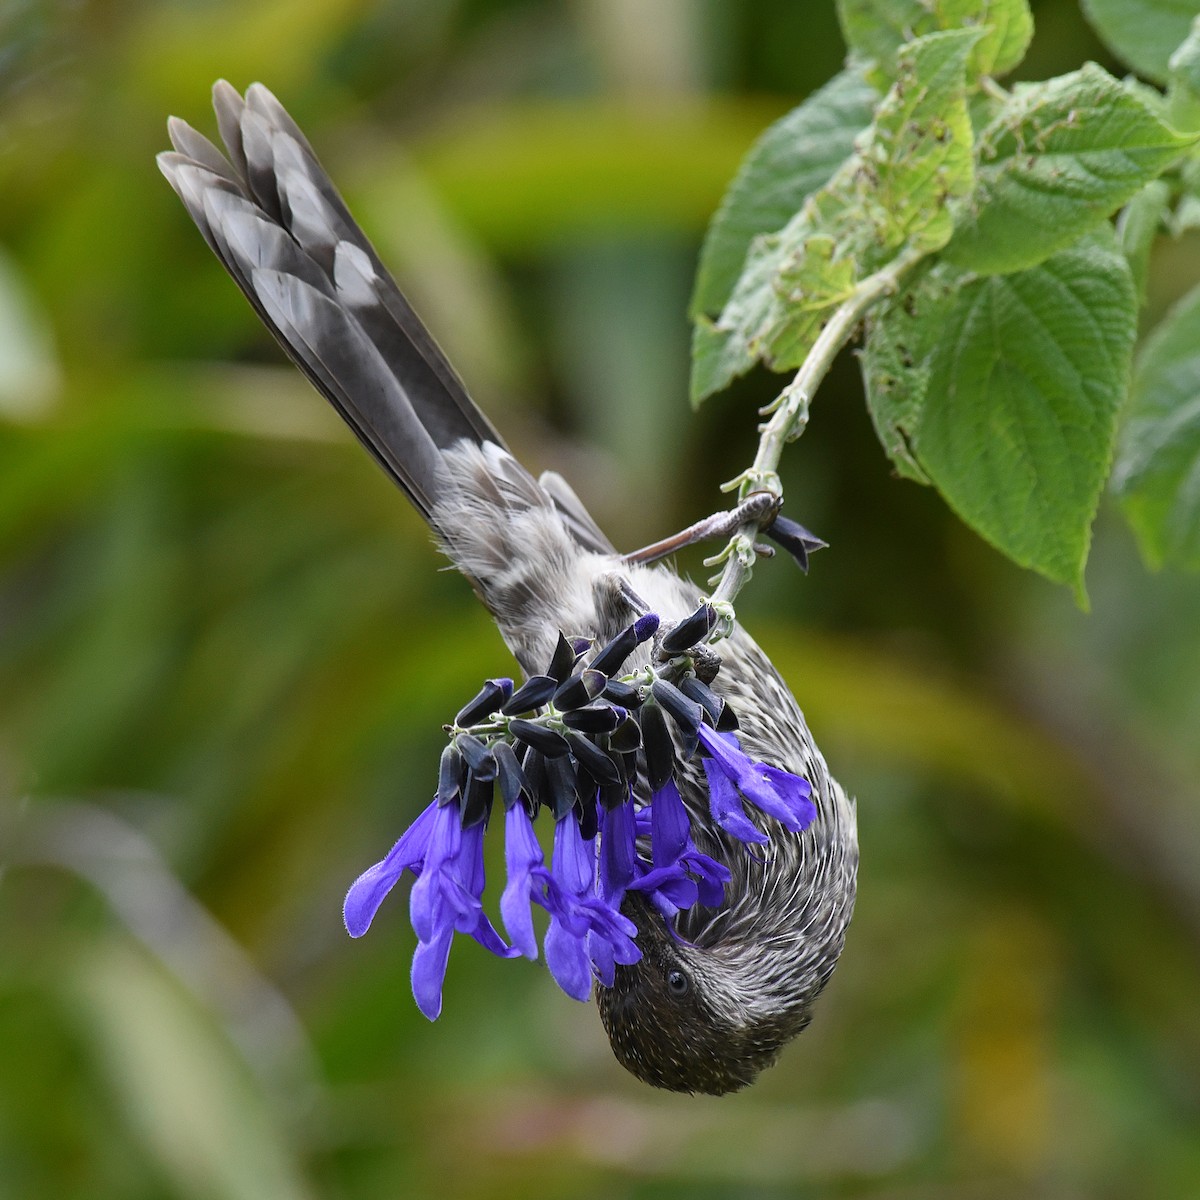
(714, 999)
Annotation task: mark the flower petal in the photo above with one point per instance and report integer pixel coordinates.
(522, 855)
(618, 853)
(429, 971)
(795, 793)
(574, 862)
(567, 958)
(726, 805)
(669, 825)
(370, 889)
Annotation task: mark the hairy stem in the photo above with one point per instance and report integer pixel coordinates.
(788, 418)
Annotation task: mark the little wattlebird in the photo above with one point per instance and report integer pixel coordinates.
(709, 932)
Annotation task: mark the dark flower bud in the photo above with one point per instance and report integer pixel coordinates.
(795, 539)
(477, 800)
(477, 756)
(623, 645)
(719, 711)
(622, 693)
(630, 759)
(533, 763)
(595, 718)
(687, 714)
(587, 814)
(452, 773)
(493, 694)
(599, 765)
(550, 743)
(626, 737)
(562, 786)
(613, 795)
(513, 783)
(533, 693)
(580, 689)
(690, 630)
(563, 661)
(660, 750)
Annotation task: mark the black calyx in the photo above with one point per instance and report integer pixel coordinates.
(580, 689)
(514, 785)
(533, 693)
(656, 742)
(452, 774)
(595, 718)
(622, 693)
(612, 657)
(600, 765)
(477, 756)
(562, 662)
(546, 741)
(686, 714)
(720, 715)
(795, 539)
(491, 696)
(562, 786)
(689, 631)
(477, 799)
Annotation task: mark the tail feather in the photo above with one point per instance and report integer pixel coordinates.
(275, 220)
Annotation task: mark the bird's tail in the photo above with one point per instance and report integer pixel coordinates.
(276, 222)
(273, 217)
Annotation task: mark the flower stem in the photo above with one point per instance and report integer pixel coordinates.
(788, 418)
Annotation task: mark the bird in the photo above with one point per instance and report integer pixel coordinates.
(717, 992)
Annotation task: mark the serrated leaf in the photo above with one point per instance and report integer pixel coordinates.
(1057, 161)
(1157, 476)
(898, 348)
(1021, 401)
(795, 156)
(1137, 228)
(1143, 33)
(893, 192)
(876, 29)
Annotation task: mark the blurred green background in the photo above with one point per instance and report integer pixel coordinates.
(226, 650)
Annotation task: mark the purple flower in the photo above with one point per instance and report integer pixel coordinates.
(779, 794)
(446, 900)
(527, 879)
(369, 890)
(585, 931)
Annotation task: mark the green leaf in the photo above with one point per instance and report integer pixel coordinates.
(893, 192)
(1058, 160)
(1137, 228)
(898, 348)
(1144, 33)
(1183, 92)
(1157, 476)
(1004, 392)
(793, 158)
(876, 29)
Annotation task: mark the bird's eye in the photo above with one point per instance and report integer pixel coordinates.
(677, 983)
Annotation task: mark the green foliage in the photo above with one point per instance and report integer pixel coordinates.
(1158, 470)
(999, 374)
(792, 159)
(1143, 33)
(1054, 163)
(876, 29)
(1040, 360)
(891, 191)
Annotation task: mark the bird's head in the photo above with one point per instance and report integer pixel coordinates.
(682, 1018)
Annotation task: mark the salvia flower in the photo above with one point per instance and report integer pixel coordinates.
(571, 743)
